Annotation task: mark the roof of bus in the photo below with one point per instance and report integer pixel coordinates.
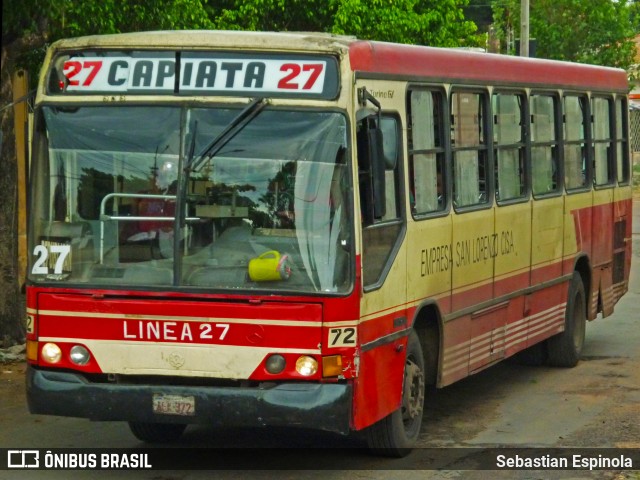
(381, 58)
(288, 41)
(460, 66)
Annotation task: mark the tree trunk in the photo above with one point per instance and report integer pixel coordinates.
(12, 312)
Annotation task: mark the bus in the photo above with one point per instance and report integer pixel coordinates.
(258, 229)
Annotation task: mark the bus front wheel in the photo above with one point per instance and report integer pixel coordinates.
(157, 432)
(565, 348)
(396, 434)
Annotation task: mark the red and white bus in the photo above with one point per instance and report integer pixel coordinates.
(274, 229)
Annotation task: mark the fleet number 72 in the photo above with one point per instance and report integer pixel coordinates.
(342, 337)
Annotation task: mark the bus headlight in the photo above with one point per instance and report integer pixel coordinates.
(79, 355)
(275, 364)
(51, 353)
(306, 366)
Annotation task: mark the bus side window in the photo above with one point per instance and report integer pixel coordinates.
(391, 149)
(380, 234)
(508, 111)
(602, 141)
(378, 169)
(426, 152)
(469, 145)
(544, 144)
(576, 169)
(622, 151)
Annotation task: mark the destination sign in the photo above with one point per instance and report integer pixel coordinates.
(196, 73)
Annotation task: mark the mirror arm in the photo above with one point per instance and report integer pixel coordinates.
(364, 96)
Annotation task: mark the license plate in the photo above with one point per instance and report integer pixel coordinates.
(174, 405)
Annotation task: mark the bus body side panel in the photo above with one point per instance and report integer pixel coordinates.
(474, 255)
(384, 316)
(516, 329)
(578, 240)
(547, 225)
(602, 250)
(378, 388)
(513, 251)
(622, 240)
(430, 262)
(382, 339)
(473, 258)
(513, 269)
(544, 313)
(429, 270)
(454, 364)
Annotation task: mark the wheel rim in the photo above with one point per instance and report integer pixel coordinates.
(579, 324)
(413, 394)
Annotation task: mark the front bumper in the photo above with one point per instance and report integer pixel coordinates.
(309, 405)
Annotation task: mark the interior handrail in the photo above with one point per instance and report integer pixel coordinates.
(130, 218)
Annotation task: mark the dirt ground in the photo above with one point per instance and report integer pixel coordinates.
(12, 385)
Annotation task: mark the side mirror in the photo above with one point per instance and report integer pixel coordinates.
(390, 144)
(372, 167)
(378, 168)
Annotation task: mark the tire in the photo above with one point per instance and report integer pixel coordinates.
(157, 432)
(429, 342)
(564, 349)
(396, 434)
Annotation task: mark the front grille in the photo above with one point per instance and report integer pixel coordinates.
(166, 380)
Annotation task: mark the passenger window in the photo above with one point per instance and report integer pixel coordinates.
(469, 146)
(508, 138)
(576, 173)
(602, 140)
(426, 152)
(544, 144)
(622, 150)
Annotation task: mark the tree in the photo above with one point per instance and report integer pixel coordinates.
(271, 15)
(426, 22)
(436, 23)
(634, 14)
(586, 31)
(480, 13)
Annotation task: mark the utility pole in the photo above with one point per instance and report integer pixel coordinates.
(524, 28)
(21, 121)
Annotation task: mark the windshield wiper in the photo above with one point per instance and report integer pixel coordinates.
(192, 162)
(231, 130)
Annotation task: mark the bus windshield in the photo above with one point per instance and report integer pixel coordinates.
(127, 196)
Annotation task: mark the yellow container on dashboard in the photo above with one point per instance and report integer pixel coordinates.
(269, 266)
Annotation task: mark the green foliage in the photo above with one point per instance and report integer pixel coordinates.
(438, 23)
(428, 22)
(634, 14)
(115, 16)
(586, 31)
(39, 22)
(67, 18)
(270, 15)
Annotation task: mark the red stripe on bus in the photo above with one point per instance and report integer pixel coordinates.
(452, 65)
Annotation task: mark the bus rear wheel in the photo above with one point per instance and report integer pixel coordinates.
(157, 432)
(396, 434)
(564, 349)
